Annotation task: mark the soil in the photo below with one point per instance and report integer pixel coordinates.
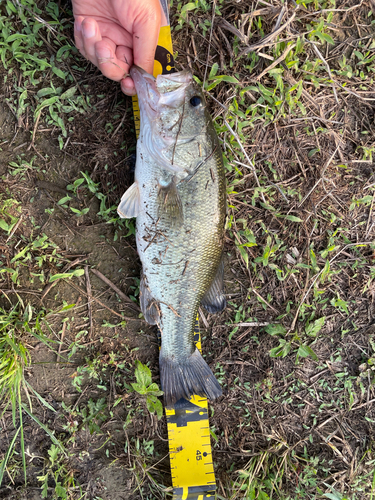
(92, 241)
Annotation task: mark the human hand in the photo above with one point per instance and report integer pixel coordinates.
(115, 34)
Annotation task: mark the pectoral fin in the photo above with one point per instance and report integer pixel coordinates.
(130, 203)
(214, 300)
(170, 204)
(148, 304)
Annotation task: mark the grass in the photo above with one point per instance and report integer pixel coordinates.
(294, 350)
(269, 221)
(16, 324)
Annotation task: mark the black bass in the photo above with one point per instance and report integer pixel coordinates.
(179, 200)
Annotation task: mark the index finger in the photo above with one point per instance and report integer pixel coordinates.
(145, 37)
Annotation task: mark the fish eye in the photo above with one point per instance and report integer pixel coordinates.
(195, 101)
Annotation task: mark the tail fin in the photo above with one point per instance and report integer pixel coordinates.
(183, 380)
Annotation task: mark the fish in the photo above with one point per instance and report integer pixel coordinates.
(179, 200)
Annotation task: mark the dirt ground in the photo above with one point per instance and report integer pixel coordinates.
(92, 242)
(290, 428)
(116, 261)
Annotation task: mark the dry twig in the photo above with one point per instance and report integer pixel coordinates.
(80, 290)
(275, 63)
(317, 52)
(89, 295)
(115, 288)
(61, 341)
(269, 38)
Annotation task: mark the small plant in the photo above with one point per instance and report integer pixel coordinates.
(21, 167)
(107, 213)
(245, 239)
(58, 473)
(285, 346)
(9, 209)
(145, 387)
(92, 415)
(367, 369)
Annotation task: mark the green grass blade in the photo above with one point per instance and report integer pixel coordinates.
(22, 435)
(41, 399)
(45, 428)
(4, 462)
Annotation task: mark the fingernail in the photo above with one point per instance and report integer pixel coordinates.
(103, 53)
(88, 30)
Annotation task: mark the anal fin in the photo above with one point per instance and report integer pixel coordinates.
(130, 203)
(214, 300)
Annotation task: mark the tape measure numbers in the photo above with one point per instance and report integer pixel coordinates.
(192, 468)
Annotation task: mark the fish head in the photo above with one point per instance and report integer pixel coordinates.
(172, 104)
(182, 107)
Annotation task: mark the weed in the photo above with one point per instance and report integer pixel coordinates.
(22, 44)
(89, 415)
(145, 387)
(285, 346)
(367, 369)
(15, 324)
(58, 472)
(59, 102)
(9, 214)
(22, 167)
(107, 213)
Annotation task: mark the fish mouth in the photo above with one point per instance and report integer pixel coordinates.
(164, 90)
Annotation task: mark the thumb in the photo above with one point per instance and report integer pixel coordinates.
(146, 29)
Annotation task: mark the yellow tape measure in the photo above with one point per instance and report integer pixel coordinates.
(192, 468)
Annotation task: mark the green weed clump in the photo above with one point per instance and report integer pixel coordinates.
(15, 326)
(145, 387)
(9, 211)
(24, 35)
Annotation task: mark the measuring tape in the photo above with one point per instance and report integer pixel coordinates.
(192, 468)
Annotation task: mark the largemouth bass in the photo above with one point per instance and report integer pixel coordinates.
(179, 200)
